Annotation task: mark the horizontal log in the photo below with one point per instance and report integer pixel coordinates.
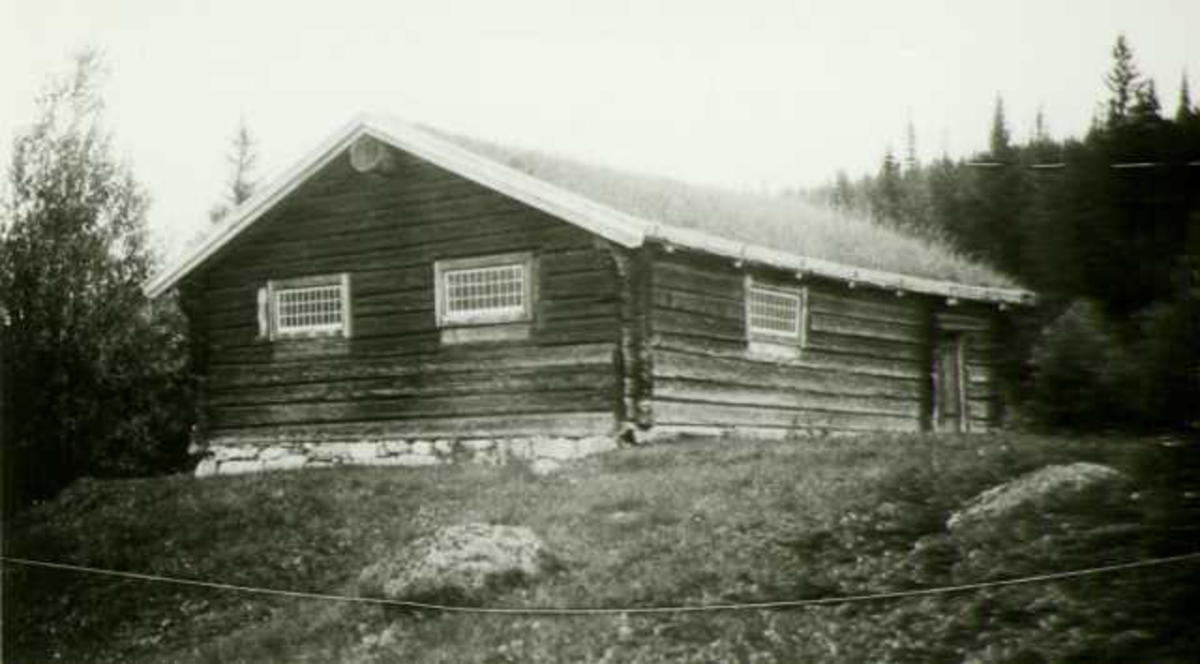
(706, 414)
(692, 324)
(699, 303)
(674, 274)
(866, 305)
(306, 258)
(518, 403)
(870, 329)
(777, 397)
(697, 342)
(390, 236)
(559, 424)
(458, 359)
(359, 199)
(809, 359)
(826, 342)
(962, 321)
(788, 377)
(599, 378)
(669, 432)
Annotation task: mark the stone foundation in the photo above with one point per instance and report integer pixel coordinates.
(542, 454)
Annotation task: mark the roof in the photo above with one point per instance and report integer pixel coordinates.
(631, 210)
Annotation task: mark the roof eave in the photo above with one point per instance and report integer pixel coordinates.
(740, 251)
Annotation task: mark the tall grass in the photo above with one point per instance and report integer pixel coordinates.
(775, 222)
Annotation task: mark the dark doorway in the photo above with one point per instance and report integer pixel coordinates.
(950, 403)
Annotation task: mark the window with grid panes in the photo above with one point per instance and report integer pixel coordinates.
(309, 306)
(775, 313)
(490, 289)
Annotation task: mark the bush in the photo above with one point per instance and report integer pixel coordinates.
(1078, 371)
(1092, 373)
(99, 382)
(1166, 367)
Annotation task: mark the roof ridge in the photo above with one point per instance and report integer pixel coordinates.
(621, 227)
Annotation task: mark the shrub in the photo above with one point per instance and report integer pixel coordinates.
(1078, 370)
(99, 381)
(1166, 366)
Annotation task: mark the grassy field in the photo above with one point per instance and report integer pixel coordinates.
(692, 522)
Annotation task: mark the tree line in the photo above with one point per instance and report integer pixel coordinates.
(1106, 229)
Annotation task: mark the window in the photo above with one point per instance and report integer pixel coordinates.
(306, 307)
(776, 316)
(485, 290)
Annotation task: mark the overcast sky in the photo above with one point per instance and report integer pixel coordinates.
(743, 93)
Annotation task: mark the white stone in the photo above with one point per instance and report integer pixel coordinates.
(596, 445)
(239, 467)
(206, 467)
(393, 460)
(414, 460)
(422, 447)
(559, 449)
(443, 446)
(362, 451)
(488, 457)
(274, 452)
(521, 448)
(544, 466)
(396, 447)
(479, 444)
(231, 453)
(286, 462)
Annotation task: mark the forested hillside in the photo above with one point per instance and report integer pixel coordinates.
(1105, 227)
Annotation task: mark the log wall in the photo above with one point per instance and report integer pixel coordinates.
(866, 365)
(394, 376)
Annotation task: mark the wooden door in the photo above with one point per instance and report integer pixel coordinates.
(950, 406)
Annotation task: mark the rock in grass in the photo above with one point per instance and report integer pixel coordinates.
(1045, 489)
(459, 564)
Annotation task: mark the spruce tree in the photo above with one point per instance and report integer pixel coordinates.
(1041, 134)
(1146, 107)
(999, 139)
(911, 162)
(995, 199)
(887, 194)
(242, 159)
(843, 198)
(1184, 112)
(1123, 82)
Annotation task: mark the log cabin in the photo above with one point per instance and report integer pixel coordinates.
(405, 296)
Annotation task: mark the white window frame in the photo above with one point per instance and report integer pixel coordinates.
(797, 338)
(442, 270)
(270, 317)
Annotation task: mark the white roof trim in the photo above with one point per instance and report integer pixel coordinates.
(619, 227)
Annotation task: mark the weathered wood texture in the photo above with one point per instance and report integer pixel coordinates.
(394, 376)
(866, 366)
(977, 326)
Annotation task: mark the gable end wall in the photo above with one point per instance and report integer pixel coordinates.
(394, 378)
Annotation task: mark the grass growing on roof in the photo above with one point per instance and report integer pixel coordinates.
(774, 222)
(711, 521)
